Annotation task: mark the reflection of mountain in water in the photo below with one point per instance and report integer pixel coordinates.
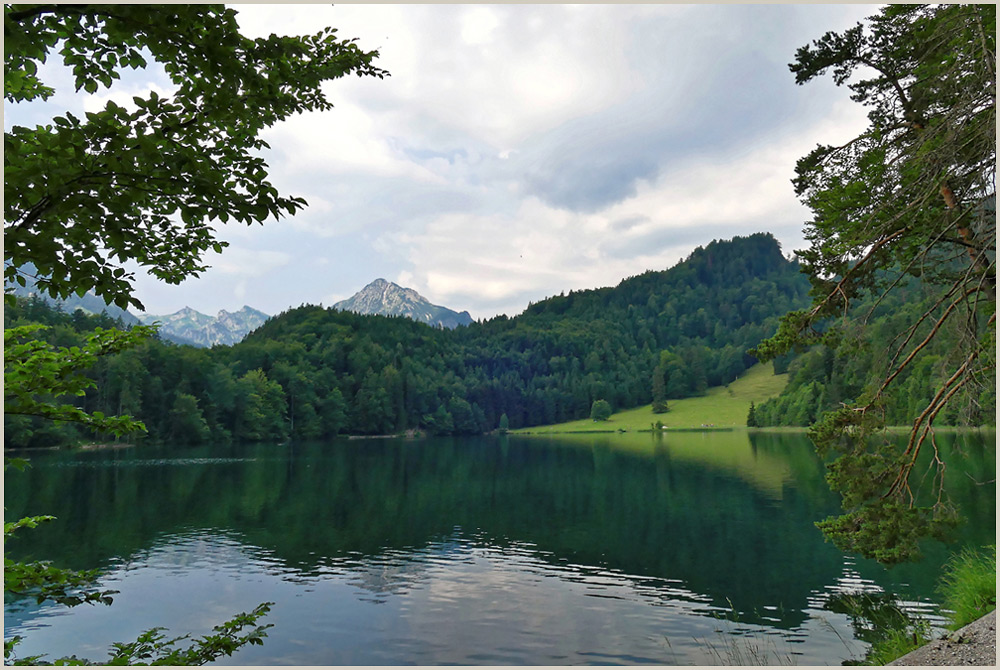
(731, 521)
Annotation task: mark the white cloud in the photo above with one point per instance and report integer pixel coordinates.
(478, 25)
(493, 259)
(495, 262)
(123, 95)
(750, 186)
(498, 73)
(240, 290)
(345, 140)
(244, 262)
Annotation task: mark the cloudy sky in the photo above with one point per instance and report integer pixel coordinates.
(518, 151)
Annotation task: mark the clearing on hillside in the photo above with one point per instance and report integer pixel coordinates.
(720, 407)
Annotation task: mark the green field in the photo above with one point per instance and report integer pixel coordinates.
(720, 407)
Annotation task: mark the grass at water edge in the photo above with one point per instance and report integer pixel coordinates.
(968, 587)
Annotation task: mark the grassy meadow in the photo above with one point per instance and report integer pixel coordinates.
(720, 407)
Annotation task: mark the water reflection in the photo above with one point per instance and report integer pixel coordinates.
(453, 601)
(621, 548)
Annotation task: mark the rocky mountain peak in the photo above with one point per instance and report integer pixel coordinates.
(386, 298)
(192, 327)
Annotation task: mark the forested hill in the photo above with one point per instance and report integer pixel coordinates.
(312, 372)
(691, 325)
(551, 362)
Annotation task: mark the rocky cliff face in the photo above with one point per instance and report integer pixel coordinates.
(388, 299)
(202, 330)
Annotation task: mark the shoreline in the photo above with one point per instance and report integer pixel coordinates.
(549, 430)
(972, 644)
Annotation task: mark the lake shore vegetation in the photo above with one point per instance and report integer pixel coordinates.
(968, 587)
(315, 373)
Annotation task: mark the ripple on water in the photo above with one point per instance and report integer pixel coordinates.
(459, 600)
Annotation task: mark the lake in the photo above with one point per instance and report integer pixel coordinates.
(681, 548)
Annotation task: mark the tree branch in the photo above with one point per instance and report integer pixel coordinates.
(18, 16)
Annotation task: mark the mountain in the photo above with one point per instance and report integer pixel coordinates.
(89, 302)
(202, 330)
(387, 299)
(183, 327)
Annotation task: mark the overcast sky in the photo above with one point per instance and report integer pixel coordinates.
(518, 151)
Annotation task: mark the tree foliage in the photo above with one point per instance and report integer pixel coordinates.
(38, 375)
(504, 425)
(152, 177)
(600, 410)
(911, 197)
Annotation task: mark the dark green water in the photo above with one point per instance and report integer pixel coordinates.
(602, 549)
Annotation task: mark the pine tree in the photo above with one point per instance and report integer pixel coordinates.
(912, 195)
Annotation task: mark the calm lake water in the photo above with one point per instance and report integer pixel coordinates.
(685, 548)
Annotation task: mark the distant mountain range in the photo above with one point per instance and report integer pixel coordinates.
(188, 326)
(388, 299)
(183, 327)
(202, 330)
(89, 303)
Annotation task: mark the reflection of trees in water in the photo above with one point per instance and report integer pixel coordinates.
(875, 615)
(396, 571)
(661, 513)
